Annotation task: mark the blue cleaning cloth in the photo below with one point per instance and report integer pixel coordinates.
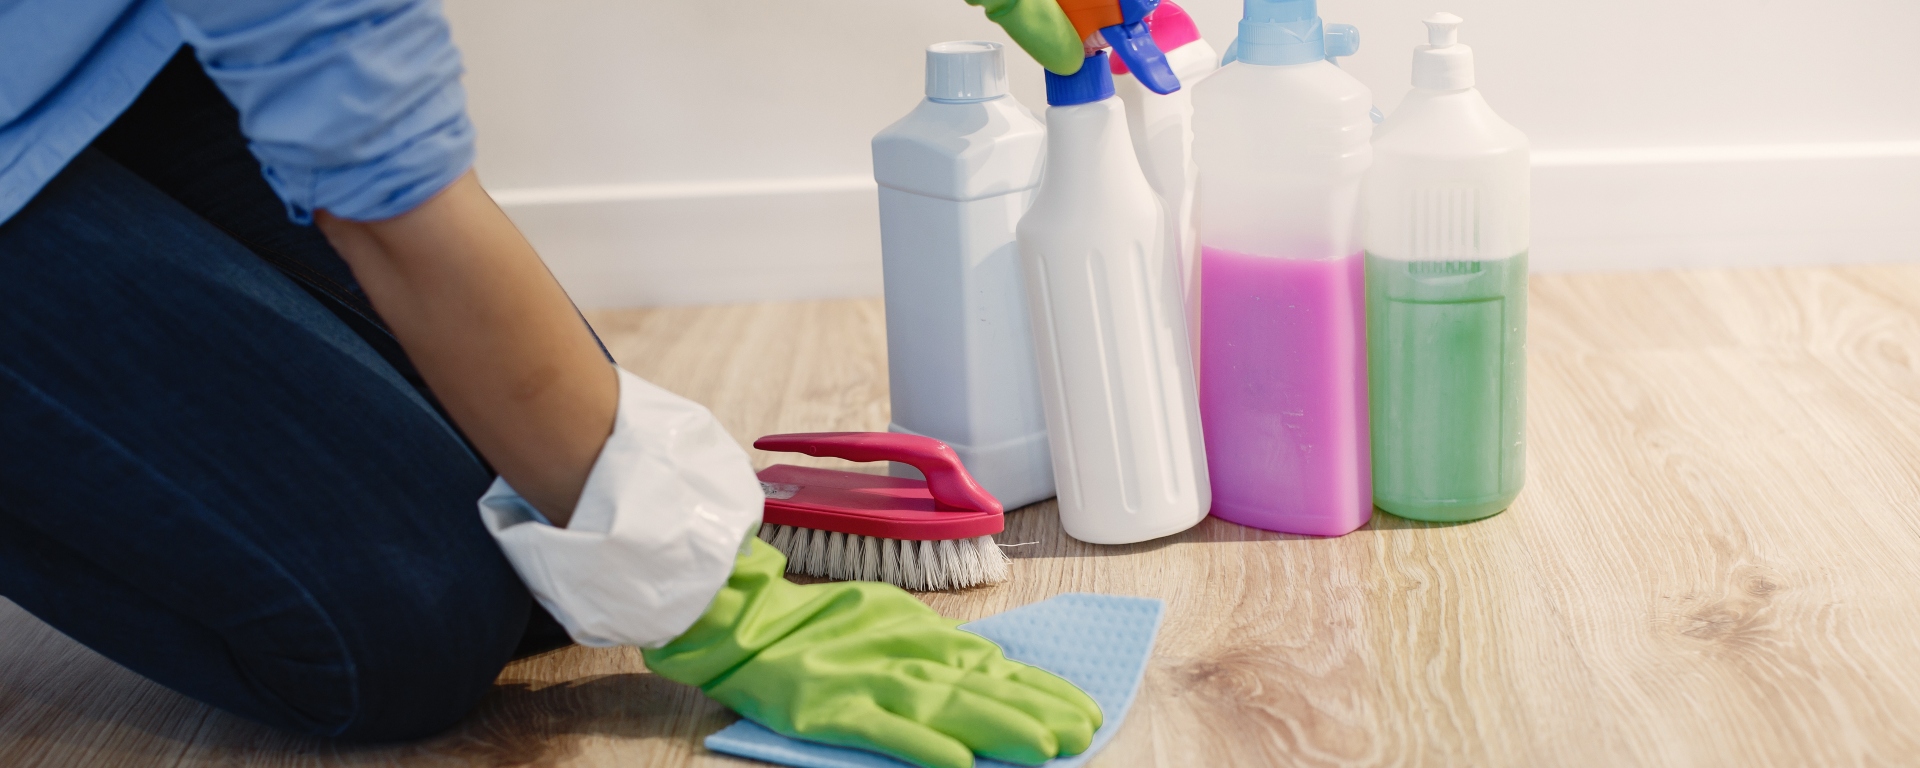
(1098, 642)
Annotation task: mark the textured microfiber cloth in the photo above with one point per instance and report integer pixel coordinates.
(1098, 642)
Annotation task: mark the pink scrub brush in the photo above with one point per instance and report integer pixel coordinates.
(934, 534)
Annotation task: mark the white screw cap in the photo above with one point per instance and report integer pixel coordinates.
(966, 71)
(1443, 64)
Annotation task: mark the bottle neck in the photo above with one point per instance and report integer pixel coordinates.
(1443, 69)
(1090, 141)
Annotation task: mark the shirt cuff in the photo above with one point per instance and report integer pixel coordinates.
(666, 508)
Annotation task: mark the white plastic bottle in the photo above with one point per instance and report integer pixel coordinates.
(1115, 372)
(1447, 239)
(1162, 130)
(955, 176)
(1280, 135)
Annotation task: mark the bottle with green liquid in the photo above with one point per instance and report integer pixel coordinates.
(1446, 241)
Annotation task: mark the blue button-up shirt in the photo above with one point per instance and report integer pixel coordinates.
(351, 106)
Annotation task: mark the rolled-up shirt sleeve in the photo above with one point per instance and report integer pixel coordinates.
(352, 106)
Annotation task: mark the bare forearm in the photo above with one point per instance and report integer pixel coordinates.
(493, 335)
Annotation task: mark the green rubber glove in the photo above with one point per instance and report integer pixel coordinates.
(865, 665)
(1041, 29)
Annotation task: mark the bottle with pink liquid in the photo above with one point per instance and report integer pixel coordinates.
(1280, 135)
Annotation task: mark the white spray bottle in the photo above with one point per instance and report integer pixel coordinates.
(955, 176)
(1116, 375)
(1162, 129)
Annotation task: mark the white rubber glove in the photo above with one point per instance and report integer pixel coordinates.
(664, 513)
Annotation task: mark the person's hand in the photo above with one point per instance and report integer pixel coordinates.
(1041, 29)
(866, 665)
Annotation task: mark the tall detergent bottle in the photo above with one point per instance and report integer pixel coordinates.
(1280, 135)
(1447, 238)
(1116, 375)
(1161, 126)
(955, 175)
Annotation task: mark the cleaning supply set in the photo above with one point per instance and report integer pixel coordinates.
(1355, 343)
(1344, 359)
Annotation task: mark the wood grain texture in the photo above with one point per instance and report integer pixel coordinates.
(1713, 564)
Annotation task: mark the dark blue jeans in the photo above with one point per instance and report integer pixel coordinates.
(217, 467)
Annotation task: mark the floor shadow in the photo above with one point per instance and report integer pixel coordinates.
(1388, 521)
(1034, 532)
(519, 724)
(68, 700)
(516, 724)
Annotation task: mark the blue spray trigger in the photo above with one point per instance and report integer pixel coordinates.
(1135, 11)
(1135, 47)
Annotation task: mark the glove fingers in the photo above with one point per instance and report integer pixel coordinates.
(993, 728)
(860, 723)
(1072, 728)
(1043, 681)
(1041, 29)
(1057, 687)
(937, 695)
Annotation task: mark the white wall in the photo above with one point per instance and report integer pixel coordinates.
(702, 152)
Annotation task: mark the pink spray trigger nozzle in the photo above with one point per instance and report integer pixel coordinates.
(1171, 29)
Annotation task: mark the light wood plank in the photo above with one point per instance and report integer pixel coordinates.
(1710, 566)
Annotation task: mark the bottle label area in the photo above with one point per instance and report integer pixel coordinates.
(1447, 348)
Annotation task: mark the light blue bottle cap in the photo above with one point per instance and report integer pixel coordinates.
(1280, 32)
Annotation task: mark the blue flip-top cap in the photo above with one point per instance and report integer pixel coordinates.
(1092, 83)
(1281, 32)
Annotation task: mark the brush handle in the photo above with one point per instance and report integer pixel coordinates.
(947, 478)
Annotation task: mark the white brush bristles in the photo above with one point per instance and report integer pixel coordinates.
(922, 566)
(836, 565)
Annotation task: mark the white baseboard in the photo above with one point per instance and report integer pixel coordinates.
(1652, 208)
(637, 247)
(1726, 206)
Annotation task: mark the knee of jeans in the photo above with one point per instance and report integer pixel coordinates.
(426, 668)
(413, 662)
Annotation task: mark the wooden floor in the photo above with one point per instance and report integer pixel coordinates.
(1716, 562)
